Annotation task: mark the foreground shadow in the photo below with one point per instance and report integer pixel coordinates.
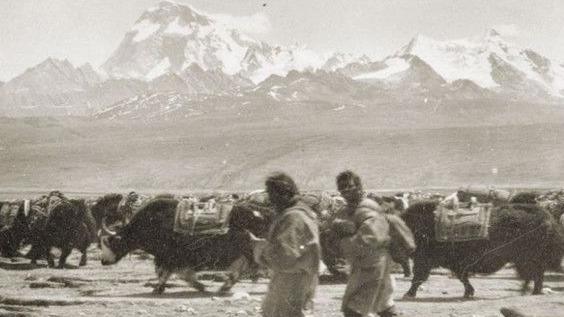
(20, 266)
(451, 299)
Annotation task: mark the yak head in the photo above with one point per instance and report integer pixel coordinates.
(114, 248)
(114, 245)
(254, 218)
(420, 218)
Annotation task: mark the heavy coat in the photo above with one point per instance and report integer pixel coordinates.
(370, 285)
(292, 253)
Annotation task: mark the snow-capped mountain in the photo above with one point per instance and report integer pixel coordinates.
(490, 62)
(170, 37)
(56, 87)
(195, 80)
(339, 60)
(313, 86)
(53, 76)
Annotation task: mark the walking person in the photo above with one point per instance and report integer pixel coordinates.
(365, 241)
(291, 252)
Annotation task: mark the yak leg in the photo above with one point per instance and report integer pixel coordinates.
(528, 272)
(468, 288)
(189, 276)
(235, 270)
(539, 279)
(83, 258)
(50, 261)
(406, 268)
(84, 251)
(65, 252)
(421, 271)
(163, 275)
(34, 253)
(525, 286)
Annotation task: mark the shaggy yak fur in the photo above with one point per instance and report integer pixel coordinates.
(69, 226)
(522, 234)
(12, 235)
(151, 230)
(106, 209)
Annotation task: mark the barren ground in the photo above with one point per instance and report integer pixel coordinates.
(125, 290)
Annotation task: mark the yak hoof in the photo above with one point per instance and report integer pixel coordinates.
(199, 286)
(537, 292)
(226, 287)
(469, 295)
(408, 296)
(159, 289)
(82, 263)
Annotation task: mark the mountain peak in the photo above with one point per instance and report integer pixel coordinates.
(492, 33)
(416, 43)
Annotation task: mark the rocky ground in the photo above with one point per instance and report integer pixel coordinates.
(125, 290)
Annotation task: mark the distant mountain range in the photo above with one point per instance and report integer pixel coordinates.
(175, 57)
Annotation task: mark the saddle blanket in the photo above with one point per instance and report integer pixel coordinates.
(461, 223)
(197, 218)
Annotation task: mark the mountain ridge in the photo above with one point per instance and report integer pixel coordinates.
(174, 48)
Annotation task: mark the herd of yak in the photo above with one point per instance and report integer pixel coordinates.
(524, 231)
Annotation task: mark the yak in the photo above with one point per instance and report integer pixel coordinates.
(105, 209)
(13, 226)
(68, 226)
(152, 230)
(524, 235)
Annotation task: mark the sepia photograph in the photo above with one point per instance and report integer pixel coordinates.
(295, 158)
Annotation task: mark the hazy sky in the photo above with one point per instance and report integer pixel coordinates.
(89, 30)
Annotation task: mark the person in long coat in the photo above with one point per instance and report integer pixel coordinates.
(365, 243)
(291, 252)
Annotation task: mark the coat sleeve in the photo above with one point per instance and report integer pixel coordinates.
(372, 235)
(291, 239)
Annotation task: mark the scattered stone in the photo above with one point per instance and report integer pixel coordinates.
(548, 290)
(46, 285)
(30, 277)
(241, 296)
(444, 292)
(181, 308)
(512, 312)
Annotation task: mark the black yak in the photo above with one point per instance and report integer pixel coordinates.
(13, 226)
(68, 226)
(152, 230)
(522, 234)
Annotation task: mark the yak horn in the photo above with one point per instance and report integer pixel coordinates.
(105, 228)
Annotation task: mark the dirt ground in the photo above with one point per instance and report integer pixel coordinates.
(125, 289)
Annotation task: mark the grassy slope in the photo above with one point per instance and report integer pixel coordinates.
(405, 150)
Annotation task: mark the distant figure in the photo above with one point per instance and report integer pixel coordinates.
(291, 251)
(365, 240)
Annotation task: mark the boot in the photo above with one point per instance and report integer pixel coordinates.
(390, 312)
